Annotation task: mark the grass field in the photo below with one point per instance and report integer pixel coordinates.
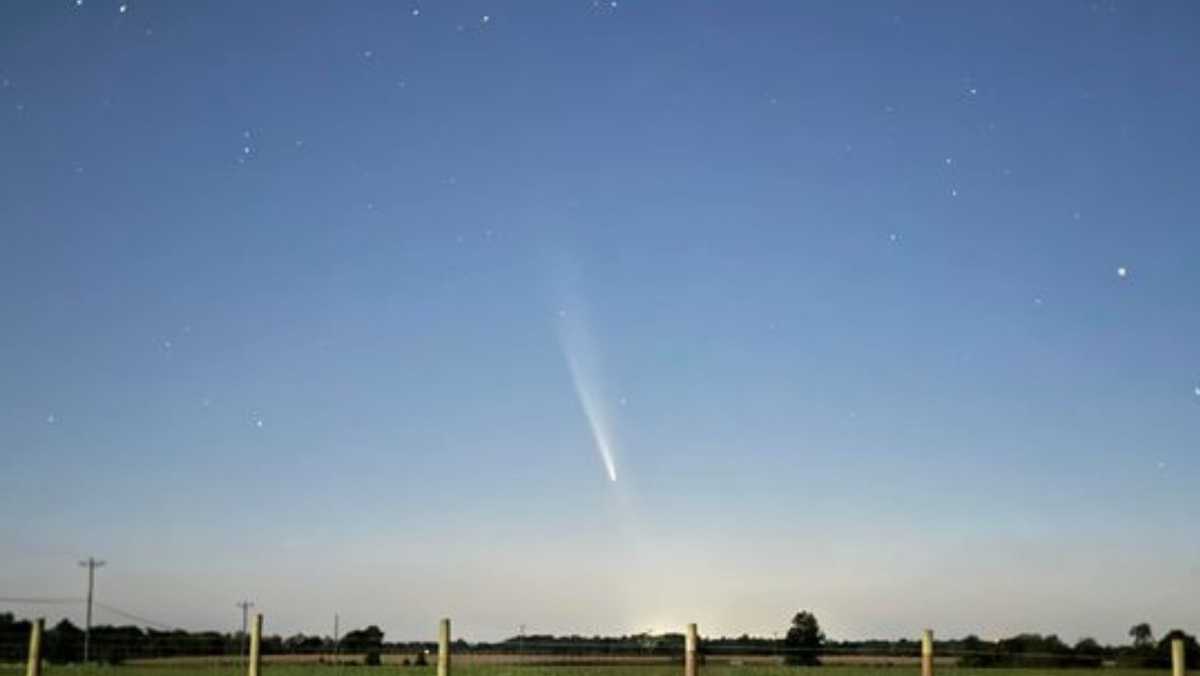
(226, 669)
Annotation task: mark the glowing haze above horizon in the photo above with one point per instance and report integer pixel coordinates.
(602, 317)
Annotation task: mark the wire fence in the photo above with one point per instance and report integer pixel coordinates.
(117, 646)
(150, 643)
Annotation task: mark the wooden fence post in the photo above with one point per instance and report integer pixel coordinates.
(927, 653)
(255, 667)
(1177, 661)
(34, 666)
(691, 662)
(443, 657)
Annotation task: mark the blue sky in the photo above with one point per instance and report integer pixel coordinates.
(290, 293)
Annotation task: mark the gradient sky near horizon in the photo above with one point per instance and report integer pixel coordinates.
(887, 310)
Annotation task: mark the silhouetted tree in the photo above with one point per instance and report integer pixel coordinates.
(301, 643)
(978, 653)
(14, 637)
(362, 640)
(804, 639)
(1088, 646)
(63, 643)
(368, 641)
(1142, 635)
(1191, 650)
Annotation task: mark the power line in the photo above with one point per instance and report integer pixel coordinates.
(70, 600)
(130, 616)
(91, 564)
(39, 600)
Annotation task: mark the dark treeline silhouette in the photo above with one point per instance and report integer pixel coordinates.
(63, 643)
(803, 644)
(1049, 651)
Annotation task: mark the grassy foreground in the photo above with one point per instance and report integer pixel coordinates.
(225, 669)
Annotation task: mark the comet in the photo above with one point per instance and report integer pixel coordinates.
(581, 358)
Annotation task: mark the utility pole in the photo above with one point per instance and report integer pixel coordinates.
(336, 639)
(91, 564)
(245, 606)
(521, 642)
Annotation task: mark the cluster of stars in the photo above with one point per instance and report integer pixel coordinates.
(248, 152)
(488, 234)
(247, 149)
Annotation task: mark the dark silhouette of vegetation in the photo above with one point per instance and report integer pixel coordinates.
(1144, 653)
(803, 644)
(301, 643)
(368, 641)
(1191, 650)
(804, 640)
(63, 642)
(1088, 646)
(363, 640)
(1142, 635)
(1034, 651)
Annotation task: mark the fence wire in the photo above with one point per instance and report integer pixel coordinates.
(148, 643)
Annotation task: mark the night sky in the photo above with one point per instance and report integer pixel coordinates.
(888, 310)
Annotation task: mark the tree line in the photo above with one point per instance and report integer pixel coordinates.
(63, 642)
(803, 644)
